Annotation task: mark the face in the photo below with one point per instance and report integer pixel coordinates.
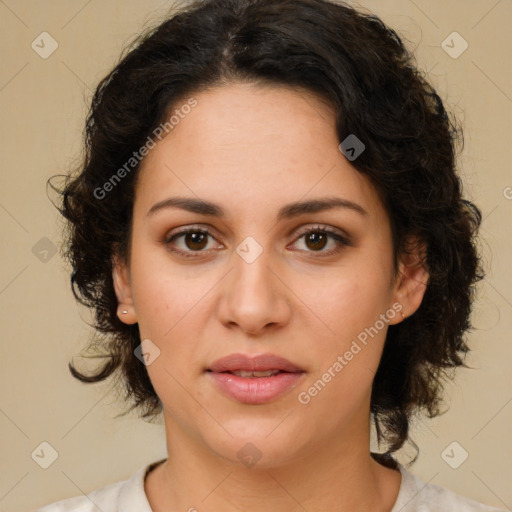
(314, 286)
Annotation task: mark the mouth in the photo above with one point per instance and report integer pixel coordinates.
(254, 380)
(248, 374)
(258, 366)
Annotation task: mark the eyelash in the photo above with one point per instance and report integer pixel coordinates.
(342, 240)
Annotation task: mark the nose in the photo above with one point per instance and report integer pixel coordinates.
(253, 296)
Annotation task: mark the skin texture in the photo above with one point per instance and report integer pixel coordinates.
(253, 149)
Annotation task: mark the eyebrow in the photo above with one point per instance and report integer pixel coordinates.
(288, 211)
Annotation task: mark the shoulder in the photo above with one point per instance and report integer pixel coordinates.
(104, 499)
(127, 495)
(418, 496)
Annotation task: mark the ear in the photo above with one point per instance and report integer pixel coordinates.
(123, 290)
(411, 282)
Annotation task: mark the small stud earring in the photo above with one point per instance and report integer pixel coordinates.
(125, 312)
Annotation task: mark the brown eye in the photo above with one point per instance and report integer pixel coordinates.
(318, 237)
(193, 240)
(316, 240)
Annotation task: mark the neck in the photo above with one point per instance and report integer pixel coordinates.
(330, 474)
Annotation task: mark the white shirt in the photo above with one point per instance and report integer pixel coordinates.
(129, 496)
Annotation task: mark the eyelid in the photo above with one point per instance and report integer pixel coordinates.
(191, 227)
(326, 228)
(298, 231)
(341, 236)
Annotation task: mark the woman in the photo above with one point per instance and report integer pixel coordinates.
(269, 226)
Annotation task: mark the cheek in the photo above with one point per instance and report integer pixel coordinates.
(171, 311)
(355, 300)
(167, 313)
(352, 306)
(348, 357)
(163, 295)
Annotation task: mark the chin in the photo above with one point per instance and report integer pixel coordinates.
(262, 445)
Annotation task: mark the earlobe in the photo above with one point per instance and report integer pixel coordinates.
(123, 291)
(412, 280)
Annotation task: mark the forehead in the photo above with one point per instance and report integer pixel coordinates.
(254, 147)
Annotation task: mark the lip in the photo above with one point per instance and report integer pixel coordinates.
(254, 390)
(258, 363)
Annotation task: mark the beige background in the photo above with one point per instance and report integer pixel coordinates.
(43, 104)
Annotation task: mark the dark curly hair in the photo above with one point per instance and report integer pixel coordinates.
(362, 68)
